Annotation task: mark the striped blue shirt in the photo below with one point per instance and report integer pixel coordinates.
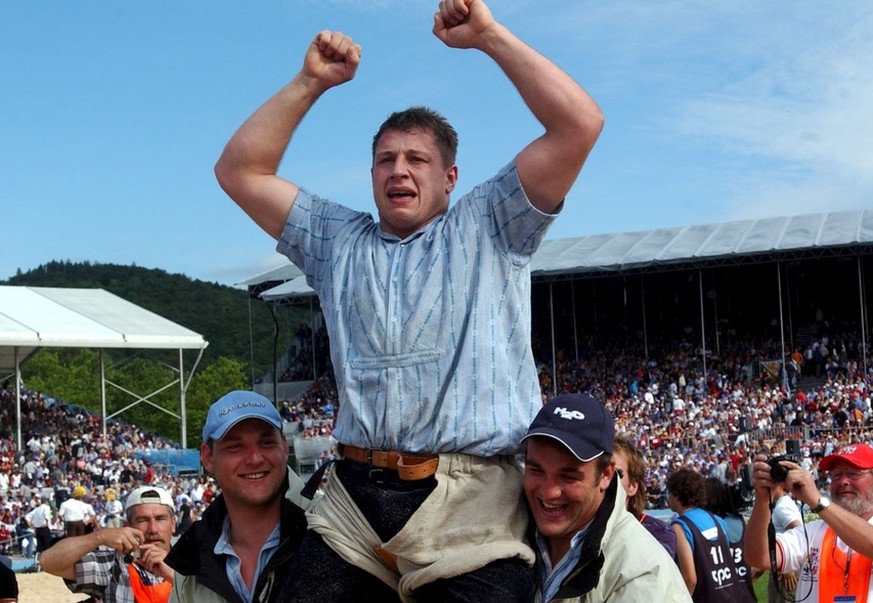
(430, 335)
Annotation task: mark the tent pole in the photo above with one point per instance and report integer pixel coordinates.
(575, 328)
(103, 393)
(645, 324)
(863, 314)
(17, 396)
(554, 358)
(783, 374)
(183, 415)
(702, 325)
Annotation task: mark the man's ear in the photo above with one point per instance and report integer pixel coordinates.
(451, 178)
(607, 475)
(206, 457)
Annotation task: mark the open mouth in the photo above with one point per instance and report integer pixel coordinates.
(401, 194)
(551, 510)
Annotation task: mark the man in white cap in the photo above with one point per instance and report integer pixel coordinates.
(834, 553)
(589, 548)
(121, 565)
(235, 552)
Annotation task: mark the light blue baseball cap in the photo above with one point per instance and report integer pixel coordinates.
(237, 406)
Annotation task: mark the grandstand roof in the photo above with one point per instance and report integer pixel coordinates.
(682, 244)
(34, 317)
(676, 245)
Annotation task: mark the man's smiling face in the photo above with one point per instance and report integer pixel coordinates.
(563, 492)
(411, 183)
(248, 463)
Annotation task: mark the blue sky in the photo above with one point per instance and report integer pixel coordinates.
(113, 114)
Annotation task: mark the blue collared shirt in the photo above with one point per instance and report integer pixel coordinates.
(552, 577)
(234, 564)
(430, 335)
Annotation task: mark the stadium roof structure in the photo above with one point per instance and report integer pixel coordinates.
(36, 317)
(737, 241)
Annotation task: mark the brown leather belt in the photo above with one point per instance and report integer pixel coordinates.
(409, 467)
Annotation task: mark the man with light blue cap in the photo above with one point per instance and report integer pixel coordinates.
(255, 525)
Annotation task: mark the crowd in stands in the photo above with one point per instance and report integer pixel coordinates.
(64, 449)
(678, 415)
(308, 349)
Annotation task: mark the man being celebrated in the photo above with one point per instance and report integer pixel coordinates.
(121, 565)
(428, 313)
(834, 553)
(247, 535)
(589, 547)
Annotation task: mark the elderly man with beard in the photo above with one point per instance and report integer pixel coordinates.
(121, 565)
(834, 554)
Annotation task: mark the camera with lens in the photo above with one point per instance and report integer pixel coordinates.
(779, 473)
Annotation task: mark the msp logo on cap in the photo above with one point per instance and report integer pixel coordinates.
(577, 421)
(566, 413)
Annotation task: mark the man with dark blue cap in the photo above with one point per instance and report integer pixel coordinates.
(589, 548)
(253, 528)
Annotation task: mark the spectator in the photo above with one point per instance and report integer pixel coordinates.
(40, 518)
(75, 513)
(589, 548)
(631, 471)
(702, 547)
(8, 582)
(842, 528)
(131, 566)
(242, 545)
(785, 516)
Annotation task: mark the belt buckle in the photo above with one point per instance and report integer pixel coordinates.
(377, 474)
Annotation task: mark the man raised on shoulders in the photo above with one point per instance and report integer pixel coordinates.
(428, 313)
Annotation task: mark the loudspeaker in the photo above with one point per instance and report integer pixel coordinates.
(792, 447)
(744, 424)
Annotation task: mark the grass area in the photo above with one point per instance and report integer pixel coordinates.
(761, 587)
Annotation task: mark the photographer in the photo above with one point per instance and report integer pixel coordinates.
(835, 551)
(118, 565)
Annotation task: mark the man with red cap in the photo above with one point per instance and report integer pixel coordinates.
(833, 554)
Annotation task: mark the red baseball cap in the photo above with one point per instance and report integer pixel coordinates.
(857, 455)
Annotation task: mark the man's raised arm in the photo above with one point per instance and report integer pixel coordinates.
(549, 165)
(247, 168)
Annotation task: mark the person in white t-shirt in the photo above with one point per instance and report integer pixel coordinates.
(785, 516)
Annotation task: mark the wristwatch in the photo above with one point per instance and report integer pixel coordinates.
(823, 503)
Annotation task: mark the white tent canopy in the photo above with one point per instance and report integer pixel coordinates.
(35, 317)
(295, 288)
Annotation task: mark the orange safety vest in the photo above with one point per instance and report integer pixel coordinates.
(143, 593)
(842, 573)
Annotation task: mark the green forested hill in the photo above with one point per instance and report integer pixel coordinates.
(218, 312)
